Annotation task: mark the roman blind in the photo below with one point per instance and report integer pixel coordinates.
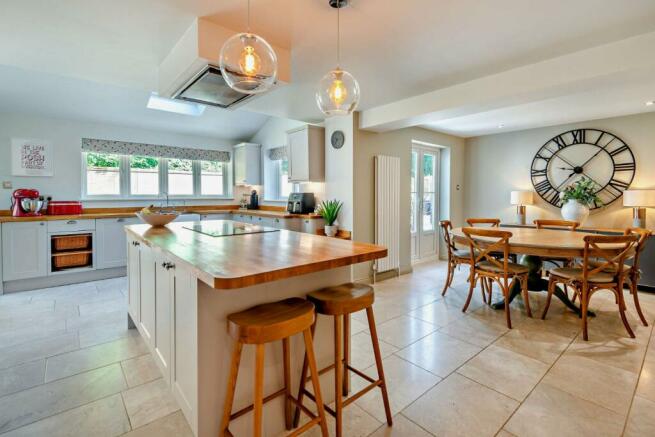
(158, 151)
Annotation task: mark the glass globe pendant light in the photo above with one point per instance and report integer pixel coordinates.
(248, 62)
(338, 90)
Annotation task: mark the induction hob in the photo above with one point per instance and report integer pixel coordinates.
(228, 228)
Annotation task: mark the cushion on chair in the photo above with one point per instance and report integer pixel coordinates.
(576, 273)
(464, 253)
(597, 263)
(512, 268)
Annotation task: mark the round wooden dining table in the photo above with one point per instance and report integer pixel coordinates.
(537, 244)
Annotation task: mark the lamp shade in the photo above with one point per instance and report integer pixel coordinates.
(521, 198)
(639, 198)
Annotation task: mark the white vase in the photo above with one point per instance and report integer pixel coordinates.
(331, 231)
(575, 211)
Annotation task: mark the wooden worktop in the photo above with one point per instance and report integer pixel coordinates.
(104, 213)
(245, 260)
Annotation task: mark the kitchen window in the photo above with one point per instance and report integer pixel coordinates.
(103, 174)
(113, 176)
(278, 187)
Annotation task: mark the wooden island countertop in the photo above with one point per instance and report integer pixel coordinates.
(245, 260)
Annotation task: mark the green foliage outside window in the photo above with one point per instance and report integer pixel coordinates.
(211, 166)
(145, 162)
(184, 165)
(102, 160)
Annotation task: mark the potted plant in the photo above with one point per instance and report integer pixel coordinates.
(329, 210)
(577, 198)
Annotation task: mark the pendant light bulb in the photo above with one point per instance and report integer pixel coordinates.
(338, 90)
(248, 62)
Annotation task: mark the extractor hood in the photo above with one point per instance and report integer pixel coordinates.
(209, 88)
(190, 70)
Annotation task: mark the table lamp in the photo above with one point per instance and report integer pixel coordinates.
(639, 200)
(520, 199)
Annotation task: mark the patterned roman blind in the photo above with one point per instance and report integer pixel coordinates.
(277, 153)
(143, 149)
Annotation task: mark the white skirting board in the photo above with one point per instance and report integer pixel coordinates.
(387, 211)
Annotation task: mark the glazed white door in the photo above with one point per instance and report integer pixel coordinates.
(424, 201)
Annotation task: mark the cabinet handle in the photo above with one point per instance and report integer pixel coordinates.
(71, 222)
(42, 224)
(277, 220)
(120, 220)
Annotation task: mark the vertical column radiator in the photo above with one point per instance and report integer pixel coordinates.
(387, 211)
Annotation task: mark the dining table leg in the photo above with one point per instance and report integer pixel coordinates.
(536, 283)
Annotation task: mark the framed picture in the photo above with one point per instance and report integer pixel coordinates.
(31, 157)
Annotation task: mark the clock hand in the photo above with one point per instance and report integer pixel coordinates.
(565, 181)
(596, 154)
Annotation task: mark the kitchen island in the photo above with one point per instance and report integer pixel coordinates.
(182, 286)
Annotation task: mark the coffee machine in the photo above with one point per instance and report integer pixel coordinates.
(26, 203)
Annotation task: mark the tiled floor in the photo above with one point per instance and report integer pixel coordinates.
(69, 366)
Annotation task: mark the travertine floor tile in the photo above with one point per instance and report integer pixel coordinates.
(89, 358)
(505, 371)
(607, 386)
(439, 353)
(474, 331)
(646, 385)
(105, 417)
(356, 423)
(361, 355)
(405, 383)
(37, 349)
(641, 421)
(173, 425)
(140, 370)
(617, 351)
(403, 331)
(149, 402)
(30, 405)
(402, 427)
(541, 345)
(460, 406)
(438, 313)
(103, 333)
(21, 377)
(549, 411)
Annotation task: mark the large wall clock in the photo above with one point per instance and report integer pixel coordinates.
(598, 155)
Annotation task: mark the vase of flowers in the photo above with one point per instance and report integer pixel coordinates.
(577, 198)
(329, 210)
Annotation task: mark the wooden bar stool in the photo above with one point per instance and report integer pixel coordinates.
(340, 301)
(264, 324)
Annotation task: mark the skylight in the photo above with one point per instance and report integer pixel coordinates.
(176, 106)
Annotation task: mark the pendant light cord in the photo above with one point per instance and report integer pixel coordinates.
(338, 35)
(248, 16)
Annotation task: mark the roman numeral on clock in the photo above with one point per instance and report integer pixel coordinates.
(621, 149)
(617, 185)
(628, 166)
(536, 173)
(561, 143)
(579, 136)
(543, 186)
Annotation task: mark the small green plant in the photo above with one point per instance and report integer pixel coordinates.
(329, 210)
(582, 191)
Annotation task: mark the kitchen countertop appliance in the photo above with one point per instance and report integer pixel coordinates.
(64, 207)
(301, 203)
(26, 203)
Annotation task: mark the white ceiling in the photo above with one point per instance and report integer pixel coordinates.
(395, 49)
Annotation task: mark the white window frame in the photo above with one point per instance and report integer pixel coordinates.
(124, 171)
(276, 195)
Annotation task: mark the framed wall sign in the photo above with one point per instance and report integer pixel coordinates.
(31, 157)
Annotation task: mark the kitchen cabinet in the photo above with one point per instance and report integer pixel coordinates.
(310, 226)
(59, 226)
(110, 242)
(164, 284)
(226, 216)
(134, 280)
(24, 250)
(306, 154)
(247, 164)
(147, 298)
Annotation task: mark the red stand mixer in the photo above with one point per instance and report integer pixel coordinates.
(26, 203)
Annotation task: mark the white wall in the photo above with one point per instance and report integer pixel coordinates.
(498, 164)
(339, 168)
(66, 137)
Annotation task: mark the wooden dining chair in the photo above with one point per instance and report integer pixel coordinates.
(457, 257)
(602, 269)
(493, 222)
(633, 270)
(486, 267)
(566, 224)
(559, 224)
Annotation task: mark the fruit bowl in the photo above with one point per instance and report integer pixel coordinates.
(157, 218)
